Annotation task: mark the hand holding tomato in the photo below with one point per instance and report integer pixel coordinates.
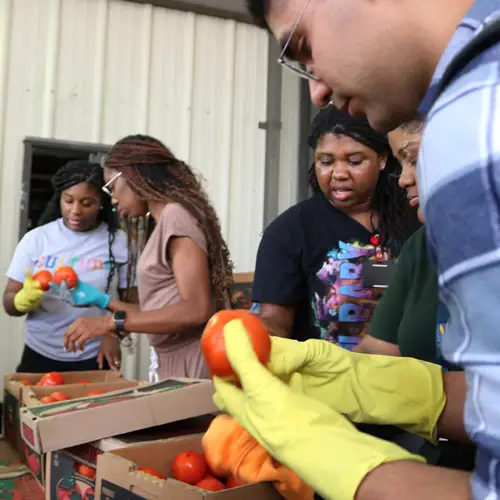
(212, 341)
(67, 274)
(44, 278)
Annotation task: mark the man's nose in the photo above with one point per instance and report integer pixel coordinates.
(321, 93)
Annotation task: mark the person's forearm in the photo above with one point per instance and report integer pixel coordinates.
(8, 304)
(118, 305)
(451, 422)
(414, 481)
(183, 317)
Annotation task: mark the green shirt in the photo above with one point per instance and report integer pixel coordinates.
(406, 314)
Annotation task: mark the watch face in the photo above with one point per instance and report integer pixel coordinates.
(120, 315)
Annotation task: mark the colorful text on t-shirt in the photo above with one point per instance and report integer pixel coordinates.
(77, 263)
(341, 304)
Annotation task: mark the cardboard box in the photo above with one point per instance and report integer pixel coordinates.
(13, 390)
(31, 395)
(16, 482)
(118, 477)
(64, 472)
(62, 425)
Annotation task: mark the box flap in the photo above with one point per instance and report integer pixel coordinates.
(52, 427)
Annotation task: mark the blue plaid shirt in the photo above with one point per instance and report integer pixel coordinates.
(459, 183)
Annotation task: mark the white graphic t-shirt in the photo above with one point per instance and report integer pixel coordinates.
(49, 247)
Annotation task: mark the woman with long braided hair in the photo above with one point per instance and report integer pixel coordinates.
(314, 261)
(184, 271)
(78, 229)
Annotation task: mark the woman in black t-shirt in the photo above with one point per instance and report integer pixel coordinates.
(310, 264)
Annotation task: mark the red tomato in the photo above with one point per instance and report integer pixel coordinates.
(189, 467)
(95, 393)
(86, 471)
(51, 379)
(44, 278)
(25, 382)
(48, 399)
(209, 483)
(212, 341)
(67, 274)
(60, 396)
(232, 482)
(152, 472)
(83, 382)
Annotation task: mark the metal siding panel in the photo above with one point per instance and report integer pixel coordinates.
(95, 71)
(290, 141)
(248, 147)
(27, 111)
(171, 83)
(80, 70)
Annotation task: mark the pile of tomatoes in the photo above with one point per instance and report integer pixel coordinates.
(192, 468)
(54, 379)
(58, 396)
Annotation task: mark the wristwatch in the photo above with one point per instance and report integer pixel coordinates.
(119, 318)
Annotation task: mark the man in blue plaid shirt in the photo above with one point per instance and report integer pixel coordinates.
(384, 58)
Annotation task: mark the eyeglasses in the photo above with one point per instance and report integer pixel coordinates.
(298, 68)
(108, 187)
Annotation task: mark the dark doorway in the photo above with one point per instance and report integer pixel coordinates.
(42, 158)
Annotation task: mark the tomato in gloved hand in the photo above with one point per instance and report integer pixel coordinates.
(212, 341)
(67, 274)
(44, 278)
(189, 467)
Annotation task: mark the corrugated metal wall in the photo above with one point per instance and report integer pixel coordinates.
(96, 70)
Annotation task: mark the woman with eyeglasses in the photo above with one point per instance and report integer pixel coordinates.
(77, 229)
(312, 276)
(184, 272)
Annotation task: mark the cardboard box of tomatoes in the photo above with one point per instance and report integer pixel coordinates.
(72, 471)
(16, 482)
(51, 427)
(41, 395)
(15, 383)
(168, 469)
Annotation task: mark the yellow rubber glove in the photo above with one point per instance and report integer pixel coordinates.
(307, 436)
(370, 389)
(28, 298)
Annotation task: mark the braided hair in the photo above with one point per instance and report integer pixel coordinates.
(69, 175)
(397, 220)
(155, 174)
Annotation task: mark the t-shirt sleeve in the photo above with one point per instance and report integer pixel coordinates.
(176, 221)
(23, 258)
(389, 311)
(279, 277)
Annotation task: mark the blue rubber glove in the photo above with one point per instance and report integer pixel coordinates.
(82, 294)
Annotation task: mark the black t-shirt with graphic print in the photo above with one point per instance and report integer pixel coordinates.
(311, 257)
